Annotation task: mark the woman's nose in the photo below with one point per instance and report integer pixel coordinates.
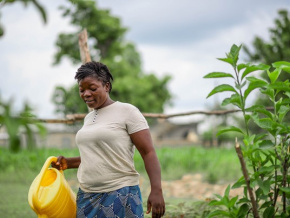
(87, 93)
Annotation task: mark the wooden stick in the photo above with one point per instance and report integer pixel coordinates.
(78, 117)
(84, 50)
(67, 121)
(164, 116)
(246, 176)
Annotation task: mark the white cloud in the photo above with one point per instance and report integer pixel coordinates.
(181, 38)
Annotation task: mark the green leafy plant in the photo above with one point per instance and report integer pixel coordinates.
(23, 121)
(265, 154)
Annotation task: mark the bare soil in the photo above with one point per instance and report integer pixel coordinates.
(192, 186)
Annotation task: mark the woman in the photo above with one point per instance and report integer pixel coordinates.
(109, 183)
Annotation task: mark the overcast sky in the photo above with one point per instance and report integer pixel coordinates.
(182, 38)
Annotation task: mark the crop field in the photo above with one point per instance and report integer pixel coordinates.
(216, 165)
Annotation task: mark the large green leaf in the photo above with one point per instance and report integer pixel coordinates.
(266, 144)
(234, 54)
(218, 75)
(235, 99)
(242, 66)
(222, 88)
(269, 212)
(243, 211)
(227, 60)
(227, 191)
(266, 204)
(266, 169)
(254, 68)
(260, 109)
(239, 183)
(233, 201)
(264, 123)
(230, 129)
(284, 65)
(269, 92)
(254, 84)
(219, 213)
(285, 189)
(280, 86)
(274, 74)
(283, 110)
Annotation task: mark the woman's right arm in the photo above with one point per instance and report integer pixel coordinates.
(64, 163)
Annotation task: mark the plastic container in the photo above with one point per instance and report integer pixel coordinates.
(50, 196)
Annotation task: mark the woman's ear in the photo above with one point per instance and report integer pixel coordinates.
(107, 87)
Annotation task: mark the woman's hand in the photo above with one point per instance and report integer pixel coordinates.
(156, 203)
(60, 164)
(64, 163)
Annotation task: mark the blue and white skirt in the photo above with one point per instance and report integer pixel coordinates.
(124, 202)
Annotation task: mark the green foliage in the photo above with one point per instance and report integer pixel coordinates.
(66, 100)
(222, 139)
(22, 121)
(175, 162)
(186, 209)
(38, 6)
(276, 49)
(266, 154)
(278, 46)
(215, 164)
(106, 44)
(17, 171)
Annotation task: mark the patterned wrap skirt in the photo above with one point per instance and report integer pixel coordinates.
(124, 202)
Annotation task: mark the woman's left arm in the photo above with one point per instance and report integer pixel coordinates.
(143, 142)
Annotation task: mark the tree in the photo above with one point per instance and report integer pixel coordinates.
(268, 52)
(25, 2)
(277, 48)
(107, 44)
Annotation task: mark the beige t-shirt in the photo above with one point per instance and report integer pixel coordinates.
(106, 149)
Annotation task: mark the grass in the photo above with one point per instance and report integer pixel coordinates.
(17, 171)
(217, 165)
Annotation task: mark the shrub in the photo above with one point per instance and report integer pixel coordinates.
(265, 155)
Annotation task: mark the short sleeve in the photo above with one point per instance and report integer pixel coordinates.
(135, 121)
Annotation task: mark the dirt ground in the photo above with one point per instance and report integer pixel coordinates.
(189, 186)
(192, 186)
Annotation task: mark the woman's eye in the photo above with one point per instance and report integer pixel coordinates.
(94, 90)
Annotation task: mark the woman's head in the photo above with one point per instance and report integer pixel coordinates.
(97, 70)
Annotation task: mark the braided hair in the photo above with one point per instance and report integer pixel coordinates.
(95, 69)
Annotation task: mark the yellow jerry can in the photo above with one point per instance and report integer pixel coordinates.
(50, 196)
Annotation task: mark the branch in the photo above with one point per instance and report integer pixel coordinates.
(80, 117)
(164, 116)
(246, 176)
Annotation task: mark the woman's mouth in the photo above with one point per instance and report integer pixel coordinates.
(89, 101)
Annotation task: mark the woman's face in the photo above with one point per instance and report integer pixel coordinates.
(93, 92)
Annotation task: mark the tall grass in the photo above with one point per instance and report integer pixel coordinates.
(215, 164)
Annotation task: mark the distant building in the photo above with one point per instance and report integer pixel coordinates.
(63, 136)
(4, 137)
(58, 136)
(165, 132)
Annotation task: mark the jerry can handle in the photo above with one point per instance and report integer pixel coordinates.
(47, 163)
